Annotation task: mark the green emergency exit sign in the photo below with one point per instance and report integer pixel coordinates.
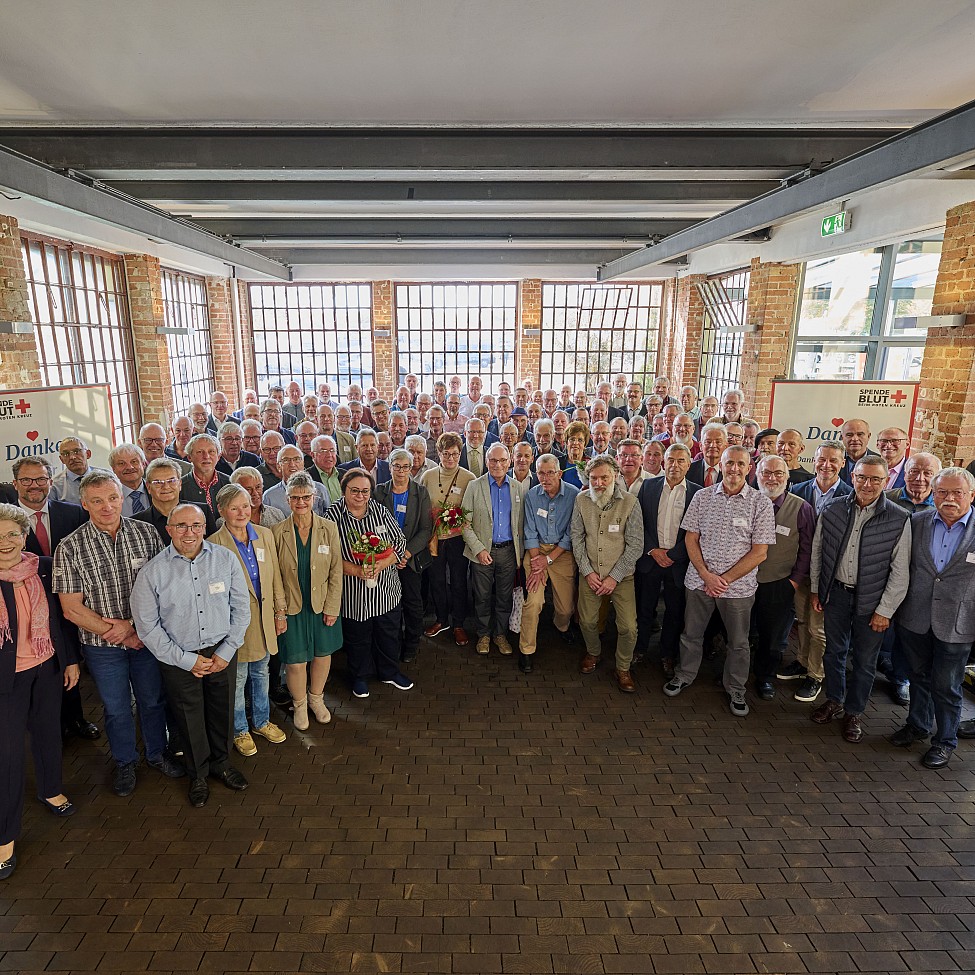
(835, 223)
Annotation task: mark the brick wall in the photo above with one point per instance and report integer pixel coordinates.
(947, 391)
(222, 341)
(528, 354)
(772, 295)
(686, 333)
(19, 365)
(384, 375)
(247, 336)
(144, 282)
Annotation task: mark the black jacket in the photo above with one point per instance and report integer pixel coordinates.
(65, 518)
(418, 526)
(191, 492)
(649, 499)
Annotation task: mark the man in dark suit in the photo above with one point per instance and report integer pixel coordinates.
(706, 470)
(663, 501)
(367, 447)
(232, 454)
(409, 503)
(202, 485)
(475, 447)
(634, 405)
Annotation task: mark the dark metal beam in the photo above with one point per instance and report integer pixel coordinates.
(945, 141)
(434, 255)
(475, 191)
(24, 176)
(233, 150)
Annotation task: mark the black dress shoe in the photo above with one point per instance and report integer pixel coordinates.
(901, 694)
(199, 793)
(123, 782)
(907, 736)
(280, 696)
(966, 729)
(231, 778)
(568, 636)
(83, 729)
(66, 808)
(166, 765)
(937, 756)
(8, 866)
(765, 690)
(525, 662)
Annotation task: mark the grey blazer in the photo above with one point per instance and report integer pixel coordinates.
(477, 499)
(942, 602)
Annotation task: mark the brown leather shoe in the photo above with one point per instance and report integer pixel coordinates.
(435, 630)
(503, 646)
(852, 729)
(460, 636)
(589, 663)
(484, 644)
(624, 681)
(826, 712)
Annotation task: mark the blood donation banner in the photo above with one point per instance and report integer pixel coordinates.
(33, 421)
(820, 408)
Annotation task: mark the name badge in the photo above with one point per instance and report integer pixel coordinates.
(970, 557)
(614, 528)
(138, 563)
(542, 513)
(739, 522)
(455, 490)
(216, 587)
(783, 530)
(401, 507)
(381, 530)
(259, 554)
(323, 550)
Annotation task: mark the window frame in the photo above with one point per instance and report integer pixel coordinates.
(184, 310)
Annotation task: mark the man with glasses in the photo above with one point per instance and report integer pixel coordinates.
(203, 483)
(152, 442)
(74, 454)
(858, 577)
(251, 432)
(435, 421)
(344, 441)
(129, 464)
(272, 417)
(290, 461)
(305, 433)
(163, 482)
(218, 411)
(629, 456)
(454, 421)
(182, 434)
(249, 478)
(324, 469)
(271, 444)
(367, 448)
(191, 608)
(232, 453)
(892, 443)
(380, 415)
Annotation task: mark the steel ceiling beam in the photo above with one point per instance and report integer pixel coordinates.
(405, 254)
(945, 141)
(32, 179)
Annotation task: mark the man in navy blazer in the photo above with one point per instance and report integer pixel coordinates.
(367, 447)
(663, 501)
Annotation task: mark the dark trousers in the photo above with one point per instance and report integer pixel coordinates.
(893, 657)
(849, 636)
(936, 671)
(648, 587)
(31, 707)
(373, 646)
(448, 582)
(774, 614)
(412, 606)
(494, 591)
(204, 711)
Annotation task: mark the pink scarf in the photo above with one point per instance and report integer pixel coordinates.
(25, 571)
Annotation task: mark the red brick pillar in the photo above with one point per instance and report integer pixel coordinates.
(19, 363)
(686, 334)
(528, 356)
(947, 392)
(773, 291)
(385, 368)
(144, 282)
(222, 343)
(247, 336)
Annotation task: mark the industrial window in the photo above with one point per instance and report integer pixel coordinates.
(457, 329)
(725, 298)
(190, 353)
(80, 310)
(592, 332)
(312, 333)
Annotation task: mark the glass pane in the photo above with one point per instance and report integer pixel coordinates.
(912, 290)
(838, 294)
(902, 363)
(830, 360)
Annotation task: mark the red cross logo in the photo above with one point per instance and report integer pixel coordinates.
(899, 397)
(22, 406)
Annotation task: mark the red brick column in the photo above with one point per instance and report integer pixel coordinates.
(686, 334)
(528, 354)
(385, 375)
(222, 343)
(947, 392)
(19, 364)
(773, 290)
(247, 336)
(144, 282)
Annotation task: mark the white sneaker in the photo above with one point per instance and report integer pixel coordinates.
(739, 707)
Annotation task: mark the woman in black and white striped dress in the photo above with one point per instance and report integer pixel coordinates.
(371, 593)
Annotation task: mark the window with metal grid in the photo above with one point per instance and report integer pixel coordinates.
(457, 329)
(190, 353)
(312, 333)
(81, 323)
(591, 333)
(725, 299)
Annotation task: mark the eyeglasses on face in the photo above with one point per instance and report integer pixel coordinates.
(161, 482)
(193, 527)
(301, 498)
(39, 481)
(359, 492)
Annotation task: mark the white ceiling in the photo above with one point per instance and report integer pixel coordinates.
(480, 62)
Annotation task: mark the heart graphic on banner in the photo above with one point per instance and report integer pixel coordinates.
(837, 421)
(32, 434)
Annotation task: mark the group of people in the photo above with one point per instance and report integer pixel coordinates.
(215, 568)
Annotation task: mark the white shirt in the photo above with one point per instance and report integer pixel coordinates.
(467, 405)
(43, 514)
(670, 511)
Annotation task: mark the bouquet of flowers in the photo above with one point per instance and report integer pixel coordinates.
(367, 549)
(448, 523)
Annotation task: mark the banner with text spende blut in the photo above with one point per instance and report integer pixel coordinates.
(819, 409)
(33, 421)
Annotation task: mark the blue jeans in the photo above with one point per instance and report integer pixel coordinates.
(255, 677)
(849, 635)
(937, 670)
(118, 674)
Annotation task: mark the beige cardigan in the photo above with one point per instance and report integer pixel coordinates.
(326, 566)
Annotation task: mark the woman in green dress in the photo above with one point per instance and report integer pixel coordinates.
(310, 559)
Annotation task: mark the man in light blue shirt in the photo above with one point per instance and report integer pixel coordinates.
(191, 608)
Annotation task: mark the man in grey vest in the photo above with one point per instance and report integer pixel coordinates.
(859, 576)
(785, 567)
(936, 621)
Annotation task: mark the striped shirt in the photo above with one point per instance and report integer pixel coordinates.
(359, 602)
(103, 569)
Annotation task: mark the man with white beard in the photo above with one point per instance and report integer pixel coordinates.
(784, 570)
(607, 540)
